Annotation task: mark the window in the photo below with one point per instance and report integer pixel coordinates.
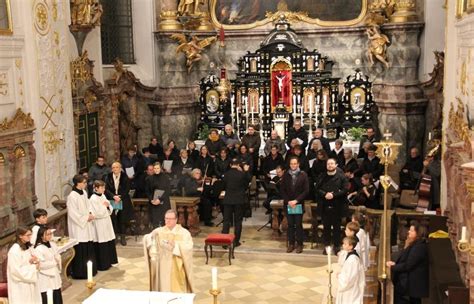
(117, 31)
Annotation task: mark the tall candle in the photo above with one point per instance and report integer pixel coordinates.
(214, 278)
(463, 234)
(89, 272)
(329, 251)
(429, 136)
(49, 296)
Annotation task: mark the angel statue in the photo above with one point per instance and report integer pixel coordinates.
(377, 45)
(189, 7)
(192, 49)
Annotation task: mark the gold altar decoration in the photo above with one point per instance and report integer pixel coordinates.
(41, 14)
(6, 27)
(215, 293)
(378, 43)
(458, 123)
(85, 14)
(19, 152)
(223, 88)
(189, 7)
(51, 141)
(387, 151)
(463, 78)
(192, 49)
(293, 16)
(405, 11)
(2, 158)
(19, 121)
(3, 84)
(169, 21)
(81, 71)
(380, 11)
(461, 8)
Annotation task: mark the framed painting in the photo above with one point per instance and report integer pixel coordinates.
(6, 26)
(212, 101)
(247, 14)
(357, 99)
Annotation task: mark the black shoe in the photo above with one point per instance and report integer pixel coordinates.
(209, 224)
(237, 244)
(324, 252)
(225, 247)
(123, 241)
(268, 212)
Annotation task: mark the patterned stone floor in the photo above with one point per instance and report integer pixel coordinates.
(261, 273)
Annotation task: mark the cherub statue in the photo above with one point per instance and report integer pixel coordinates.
(192, 49)
(377, 45)
(86, 12)
(189, 7)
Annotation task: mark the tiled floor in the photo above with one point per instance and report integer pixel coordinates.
(262, 271)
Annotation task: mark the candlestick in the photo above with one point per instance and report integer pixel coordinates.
(215, 293)
(429, 136)
(232, 110)
(463, 234)
(330, 297)
(214, 278)
(89, 272)
(49, 296)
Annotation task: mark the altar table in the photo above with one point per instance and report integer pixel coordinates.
(104, 295)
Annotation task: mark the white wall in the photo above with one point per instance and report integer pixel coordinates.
(432, 38)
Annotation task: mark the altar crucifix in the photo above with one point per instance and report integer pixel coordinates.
(281, 88)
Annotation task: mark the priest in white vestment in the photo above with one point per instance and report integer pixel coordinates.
(169, 256)
(22, 270)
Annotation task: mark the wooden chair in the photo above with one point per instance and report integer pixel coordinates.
(308, 221)
(253, 192)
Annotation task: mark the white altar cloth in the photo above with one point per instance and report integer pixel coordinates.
(119, 296)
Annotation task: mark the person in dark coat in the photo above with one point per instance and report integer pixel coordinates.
(319, 166)
(155, 148)
(171, 144)
(410, 271)
(338, 153)
(130, 161)
(271, 161)
(183, 165)
(205, 163)
(193, 153)
(410, 172)
(331, 194)
(158, 204)
(369, 137)
(193, 185)
(367, 195)
(244, 157)
(140, 190)
(253, 141)
(371, 164)
(97, 171)
(298, 132)
(230, 139)
(350, 163)
(302, 159)
(117, 188)
(221, 163)
(214, 143)
(294, 188)
(318, 134)
(235, 183)
(313, 149)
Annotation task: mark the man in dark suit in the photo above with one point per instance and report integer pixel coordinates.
(331, 192)
(235, 182)
(369, 137)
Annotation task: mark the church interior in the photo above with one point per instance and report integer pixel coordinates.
(90, 84)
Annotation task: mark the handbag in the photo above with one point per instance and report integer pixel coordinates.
(297, 210)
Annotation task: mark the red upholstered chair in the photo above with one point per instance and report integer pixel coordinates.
(220, 239)
(4, 284)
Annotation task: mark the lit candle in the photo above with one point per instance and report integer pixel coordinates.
(329, 251)
(49, 296)
(89, 272)
(463, 234)
(214, 278)
(429, 136)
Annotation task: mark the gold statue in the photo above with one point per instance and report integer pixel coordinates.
(377, 45)
(192, 49)
(189, 7)
(86, 12)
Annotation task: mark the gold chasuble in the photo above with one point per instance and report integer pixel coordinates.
(169, 256)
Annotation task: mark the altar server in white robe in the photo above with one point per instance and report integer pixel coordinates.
(22, 270)
(81, 228)
(364, 239)
(106, 253)
(50, 266)
(351, 279)
(169, 256)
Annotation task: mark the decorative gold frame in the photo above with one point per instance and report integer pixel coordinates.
(309, 106)
(298, 16)
(253, 98)
(7, 31)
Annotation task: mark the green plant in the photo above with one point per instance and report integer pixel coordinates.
(356, 133)
(203, 132)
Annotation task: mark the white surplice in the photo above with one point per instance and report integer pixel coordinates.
(50, 267)
(104, 230)
(78, 209)
(363, 247)
(22, 277)
(351, 281)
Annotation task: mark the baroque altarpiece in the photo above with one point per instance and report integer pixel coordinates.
(283, 81)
